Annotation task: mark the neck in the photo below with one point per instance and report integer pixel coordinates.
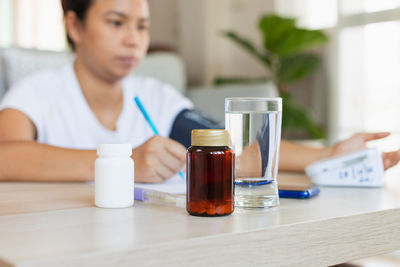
(99, 92)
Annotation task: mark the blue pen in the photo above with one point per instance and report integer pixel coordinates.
(150, 122)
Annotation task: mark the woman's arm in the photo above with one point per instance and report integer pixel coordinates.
(23, 159)
(31, 161)
(294, 157)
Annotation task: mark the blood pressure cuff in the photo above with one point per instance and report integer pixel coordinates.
(186, 121)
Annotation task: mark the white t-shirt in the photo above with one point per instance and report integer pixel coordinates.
(54, 101)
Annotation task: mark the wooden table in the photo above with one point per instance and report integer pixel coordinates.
(45, 224)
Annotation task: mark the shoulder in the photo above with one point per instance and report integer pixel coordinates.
(43, 81)
(35, 94)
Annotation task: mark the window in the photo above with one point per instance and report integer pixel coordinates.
(5, 23)
(364, 57)
(368, 64)
(311, 14)
(32, 24)
(366, 6)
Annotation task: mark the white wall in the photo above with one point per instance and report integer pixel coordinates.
(193, 38)
(164, 22)
(242, 17)
(194, 27)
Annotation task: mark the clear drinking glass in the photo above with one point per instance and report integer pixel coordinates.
(254, 125)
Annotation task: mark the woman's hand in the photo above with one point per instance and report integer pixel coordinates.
(358, 142)
(158, 159)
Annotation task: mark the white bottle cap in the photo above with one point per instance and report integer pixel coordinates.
(114, 150)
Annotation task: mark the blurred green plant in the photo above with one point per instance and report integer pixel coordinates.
(287, 57)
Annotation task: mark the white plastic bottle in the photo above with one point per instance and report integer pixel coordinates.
(114, 176)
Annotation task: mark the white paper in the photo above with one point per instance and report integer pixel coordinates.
(175, 185)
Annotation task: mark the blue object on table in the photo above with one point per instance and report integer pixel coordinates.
(310, 192)
(150, 122)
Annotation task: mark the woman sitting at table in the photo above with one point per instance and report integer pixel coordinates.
(51, 123)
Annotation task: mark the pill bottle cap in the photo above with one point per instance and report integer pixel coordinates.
(210, 137)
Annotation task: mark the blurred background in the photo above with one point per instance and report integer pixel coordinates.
(356, 86)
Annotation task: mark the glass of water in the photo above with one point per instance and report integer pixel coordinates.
(254, 124)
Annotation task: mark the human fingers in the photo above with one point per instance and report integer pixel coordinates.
(159, 157)
(163, 170)
(390, 159)
(171, 162)
(175, 149)
(373, 136)
(146, 161)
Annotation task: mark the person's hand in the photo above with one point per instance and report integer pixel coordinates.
(158, 159)
(358, 142)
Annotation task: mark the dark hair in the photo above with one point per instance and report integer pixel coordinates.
(80, 8)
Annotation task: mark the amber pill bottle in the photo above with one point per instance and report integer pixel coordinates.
(209, 172)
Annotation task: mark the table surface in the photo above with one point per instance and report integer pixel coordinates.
(56, 224)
